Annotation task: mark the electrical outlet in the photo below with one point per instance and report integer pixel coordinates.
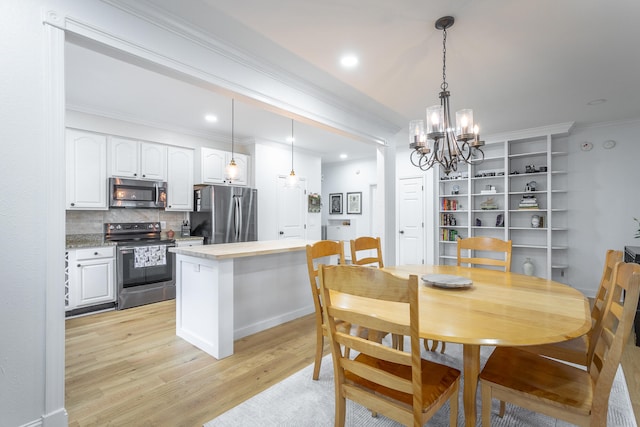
(163, 225)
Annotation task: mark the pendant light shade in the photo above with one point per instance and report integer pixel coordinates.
(232, 168)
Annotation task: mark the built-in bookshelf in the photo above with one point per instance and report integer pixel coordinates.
(518, 191)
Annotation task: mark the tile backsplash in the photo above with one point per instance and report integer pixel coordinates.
(90, 222)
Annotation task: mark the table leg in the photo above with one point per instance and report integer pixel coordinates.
(471, 370)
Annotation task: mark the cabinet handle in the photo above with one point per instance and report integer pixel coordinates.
(96, 253)
(401, 231)
(73, 204)
(79, 265)
(282, 232)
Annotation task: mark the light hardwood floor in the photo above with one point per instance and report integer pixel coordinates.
(129, 368)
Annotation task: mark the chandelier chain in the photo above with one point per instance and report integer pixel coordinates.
(444, 84)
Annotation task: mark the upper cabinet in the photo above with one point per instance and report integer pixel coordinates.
(213, 167)
(137, 159)
(86, 170)
(180, 179)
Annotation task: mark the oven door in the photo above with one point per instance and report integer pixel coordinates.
(142, 282)
(136, 274)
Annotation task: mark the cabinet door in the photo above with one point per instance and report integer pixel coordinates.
(180, 179)
(86, 167)
(95, 284)
(124, 157)
(213, 164)
(153, 161)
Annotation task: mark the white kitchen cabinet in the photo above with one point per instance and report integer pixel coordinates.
(86, 167)
(214, 165)
(137, 159)
(91, 276)
(179, 179)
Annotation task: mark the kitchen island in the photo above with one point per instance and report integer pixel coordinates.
(228, 291)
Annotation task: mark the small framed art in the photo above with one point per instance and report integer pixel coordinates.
(354, 203)
(335, 203)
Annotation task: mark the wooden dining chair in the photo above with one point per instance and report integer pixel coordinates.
(399, 385)
(485, 244)
(481, 244)
(361, 254)
(325, 252)
(577, 350)
(558, 389)
(369, 244)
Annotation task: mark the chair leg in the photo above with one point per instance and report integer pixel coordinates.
(341, 410)
(319, 349)
(503, 408)
(486, 404)
(453, 408)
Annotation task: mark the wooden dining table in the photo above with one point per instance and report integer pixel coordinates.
(498, 309)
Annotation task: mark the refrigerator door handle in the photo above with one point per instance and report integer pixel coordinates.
(237, 217)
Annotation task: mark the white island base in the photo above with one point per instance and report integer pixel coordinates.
(228, 291)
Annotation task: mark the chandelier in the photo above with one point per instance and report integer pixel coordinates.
(448, 146)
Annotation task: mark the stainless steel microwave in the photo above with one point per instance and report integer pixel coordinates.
(135, 193)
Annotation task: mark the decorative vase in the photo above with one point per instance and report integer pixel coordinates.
(535, 221)
(527, 267)
(170, 234)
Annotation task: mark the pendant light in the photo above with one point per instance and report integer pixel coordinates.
(232, 168)
(292, 179)
(450, 145)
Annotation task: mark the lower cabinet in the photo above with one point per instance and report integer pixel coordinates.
(90, 277)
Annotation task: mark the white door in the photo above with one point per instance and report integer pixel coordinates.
(291, 209)
(411, 221)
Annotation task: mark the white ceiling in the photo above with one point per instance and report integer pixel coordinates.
(518, 64)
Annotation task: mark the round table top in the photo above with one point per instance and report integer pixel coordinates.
(497, 309)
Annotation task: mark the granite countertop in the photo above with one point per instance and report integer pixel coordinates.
(243, 249)
(94, 240)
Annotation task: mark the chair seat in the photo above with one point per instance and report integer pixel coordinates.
(536, 378)
(573, 351)
(436, 379)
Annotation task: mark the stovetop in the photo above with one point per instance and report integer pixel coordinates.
(133, 232)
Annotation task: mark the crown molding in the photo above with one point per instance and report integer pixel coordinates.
(162, 19)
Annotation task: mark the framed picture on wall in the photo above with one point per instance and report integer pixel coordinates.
(354, 203)
(335, 203)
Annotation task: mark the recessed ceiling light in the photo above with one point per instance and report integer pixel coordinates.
(349, 61)
(343, 156)
(211, 118)
(597, 101)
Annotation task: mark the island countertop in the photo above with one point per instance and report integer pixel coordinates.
(243, 249)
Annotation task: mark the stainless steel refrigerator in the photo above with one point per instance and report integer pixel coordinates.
(225, 214)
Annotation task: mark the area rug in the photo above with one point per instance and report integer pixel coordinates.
(300, 401)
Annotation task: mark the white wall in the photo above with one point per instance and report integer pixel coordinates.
(24, 203)
(347, 177)
(603, 198)
(270, 161)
